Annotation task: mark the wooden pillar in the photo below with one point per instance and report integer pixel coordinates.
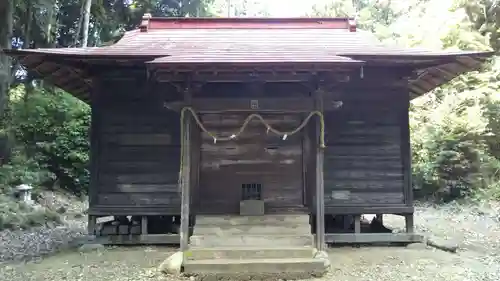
(91, 226)
(144, 225)
(406, 150)
(406, 160)
(357, 224)
(186, 177)
(320, 189)
(409, 223)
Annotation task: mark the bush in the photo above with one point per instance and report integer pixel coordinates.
(454, 139)
(50, 129)
(17, 215)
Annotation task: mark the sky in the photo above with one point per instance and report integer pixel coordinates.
(275, 8)
(294, 8)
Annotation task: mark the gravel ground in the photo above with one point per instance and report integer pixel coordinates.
(476, 230)
(35, 243)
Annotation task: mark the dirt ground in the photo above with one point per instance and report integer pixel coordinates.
(476, 230)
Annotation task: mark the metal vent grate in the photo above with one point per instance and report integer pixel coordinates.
(251, 191)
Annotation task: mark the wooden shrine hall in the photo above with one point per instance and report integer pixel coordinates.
(218, 132)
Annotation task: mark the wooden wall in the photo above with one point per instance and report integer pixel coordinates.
(135, 151)
(364, 167)
(255, 157)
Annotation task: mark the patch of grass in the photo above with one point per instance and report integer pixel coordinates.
(17, 215)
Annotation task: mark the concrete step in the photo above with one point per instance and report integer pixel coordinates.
(240, 253)
(252, 229)
(252, 220)
(255, 240)
(282, 267)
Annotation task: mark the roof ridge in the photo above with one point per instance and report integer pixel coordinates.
(149, 22)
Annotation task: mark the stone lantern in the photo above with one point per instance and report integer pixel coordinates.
(24, 191)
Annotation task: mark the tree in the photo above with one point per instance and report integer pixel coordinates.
(6, 29)
(86, 22)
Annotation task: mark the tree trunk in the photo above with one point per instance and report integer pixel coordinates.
(86, 22)
(6, 24)
(27, 45)
(79, 24)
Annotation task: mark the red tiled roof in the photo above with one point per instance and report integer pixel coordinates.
(269, 41)
(243, 43)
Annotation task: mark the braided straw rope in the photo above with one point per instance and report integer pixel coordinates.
(242, 129)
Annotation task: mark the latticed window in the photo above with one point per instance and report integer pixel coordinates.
(251, 191)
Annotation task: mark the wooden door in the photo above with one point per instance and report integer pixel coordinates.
(256, 158)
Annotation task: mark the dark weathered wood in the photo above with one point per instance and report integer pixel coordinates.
(138, 139)
(186, 179)
(255, 156)
(388, 174)
(406, 153)
(306, 142)
(357, 224)
(140, 188)
(91, 227)
(368, 209)
(95, 146)
(409, 223)
(195, 165)
(363, 154)
(148, 239)
(362, 238)
(130, 210)
(365, 150)
(354, 197)
(258, 104)
(364, 185)
(144, 225)
(143, 178)
(320, 189)
(139, 151)
(123, 153)
(123, 230)
(137, 199)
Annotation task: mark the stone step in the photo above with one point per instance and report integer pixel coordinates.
(252, 220)
(239, 253)
(255, 240)
(252, 229)
(284, 267)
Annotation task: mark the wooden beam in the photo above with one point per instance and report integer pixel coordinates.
(279, 105)
(147, 239)
(234, 77)
(369, 209)
(368, 238)
(320, 188)
(128, 210)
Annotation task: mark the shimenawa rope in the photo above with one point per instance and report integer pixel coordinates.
(242, 129)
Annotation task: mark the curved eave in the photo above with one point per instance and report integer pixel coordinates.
(59, 68)
(70, 79)
(432, 70)
(432, 77)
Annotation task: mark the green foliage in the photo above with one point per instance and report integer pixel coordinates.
(455, 128)
(17, 215)
(53, 128)
(23, 170)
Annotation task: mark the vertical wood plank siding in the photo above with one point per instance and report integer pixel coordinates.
(363, 160)
(139, 151)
